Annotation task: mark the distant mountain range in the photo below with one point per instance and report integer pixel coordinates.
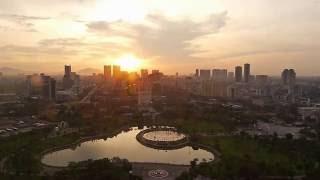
(14, 71)
(11, 71)
(89, 71)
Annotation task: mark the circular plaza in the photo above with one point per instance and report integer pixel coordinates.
(162, 138)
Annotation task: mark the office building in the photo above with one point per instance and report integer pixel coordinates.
(67, 79)
(205, 74)
(155, 71)
(70, 79)
(238, 73)
(107, 72)
(219, 75)
(67, 70)
(41, 86)
(230, 76)
(288, 77)
(246, 73)
(197, 73)
(284, 76)
(48, 87)
(144, 73)
(116, 72)
(155, 75)
(292, 77)
(124, 74)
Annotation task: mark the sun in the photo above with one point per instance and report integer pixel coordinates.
(129, 62)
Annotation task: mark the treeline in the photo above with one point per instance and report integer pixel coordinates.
(115, 169)
(257, 158)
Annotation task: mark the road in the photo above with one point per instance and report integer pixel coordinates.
(88, 97)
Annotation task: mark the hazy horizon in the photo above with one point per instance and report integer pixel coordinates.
(173, 36)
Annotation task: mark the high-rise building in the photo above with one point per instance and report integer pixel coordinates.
(124, 74)
(205, 74)
(133, 76)
(219, 75)
(48, 87)
(289, 80)
(144, 73)
(155, 71)
(155, 75)
(116, 71)
(43, 86)
(34, 85)
(284, 76)
(292, 77)
(197, 72)
(67, 70)
(288, 77)
(70, 79)
(246, 72)
(238, 73)
(67, 79)
(76, 82)
(107, 72)
(230, 76)
(219, 83)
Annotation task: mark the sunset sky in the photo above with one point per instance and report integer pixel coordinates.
(170, 35)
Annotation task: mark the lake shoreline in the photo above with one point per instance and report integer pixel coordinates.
(110, 135)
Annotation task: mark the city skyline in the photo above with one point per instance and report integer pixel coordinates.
(244, 75)
(171, 36)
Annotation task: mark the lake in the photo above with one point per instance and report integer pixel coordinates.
(124, 146)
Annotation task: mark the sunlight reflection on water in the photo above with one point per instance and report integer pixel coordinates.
(125, 146)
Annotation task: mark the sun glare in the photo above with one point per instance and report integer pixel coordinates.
(129, 62)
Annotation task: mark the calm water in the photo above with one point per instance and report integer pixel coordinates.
(124, 146)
